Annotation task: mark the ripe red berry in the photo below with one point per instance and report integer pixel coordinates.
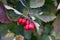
(31, 26)
(24, 21)
(20, 20)
(27, 22)
(26, 27)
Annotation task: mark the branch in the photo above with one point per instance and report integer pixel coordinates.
(23, 3)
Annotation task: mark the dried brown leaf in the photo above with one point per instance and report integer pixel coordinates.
(20, 37)
(3, 16)
(56, 24)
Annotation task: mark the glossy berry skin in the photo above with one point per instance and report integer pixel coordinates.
(27, 22)
(20, 20)
(30, 26)
(26, 27)
(24, 21)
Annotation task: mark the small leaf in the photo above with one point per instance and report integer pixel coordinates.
(3, 16)
(44, 37)
(36, 3)
(46, 17)
(27, 35)
(16, 29)
(4, 1)
(33, 12)
(25, 12)
(12, 15)
(3, 29)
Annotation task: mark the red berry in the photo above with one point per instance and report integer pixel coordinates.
(24, 21)
(31, 26)
(27, 22)
(20, 20)
(26, 27)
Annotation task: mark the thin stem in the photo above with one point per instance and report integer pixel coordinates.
(23, 3)
(26, 8)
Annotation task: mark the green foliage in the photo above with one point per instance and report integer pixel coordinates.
(17, 29)
(44, 12)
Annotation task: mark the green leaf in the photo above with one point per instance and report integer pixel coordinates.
(25, 12)
(49, 6)
(12, 15)
(33, 12)
(38, 20)
(17, 29)
(44, 37)
(16, 5)
(48, 27)
(4, 1)
(27, 35)
(19, 6)
(3, 29)
(11, 2)
(36, 3)
(46, 17)
(53, 38)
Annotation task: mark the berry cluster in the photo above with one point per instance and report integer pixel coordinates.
(28, 24)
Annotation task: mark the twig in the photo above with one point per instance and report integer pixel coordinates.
(23, 3)
(26, 8)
